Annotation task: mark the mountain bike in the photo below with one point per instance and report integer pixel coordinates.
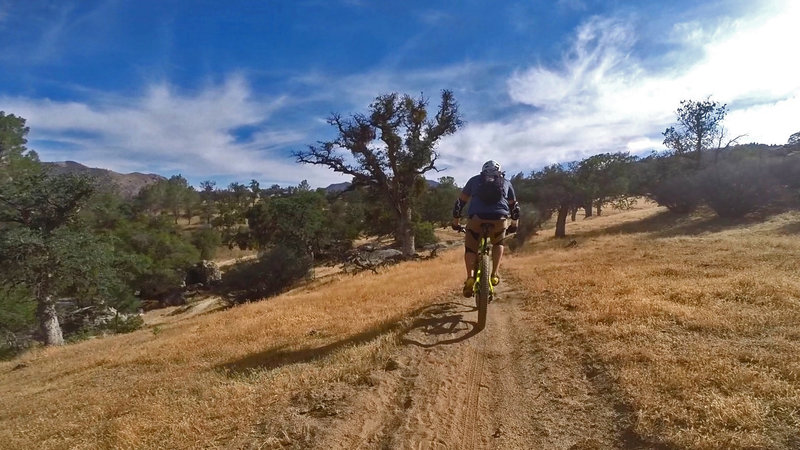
(483, 290)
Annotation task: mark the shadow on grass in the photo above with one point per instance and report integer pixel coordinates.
(790, 228)
(668, 224)
(441, 327)
(283, 355)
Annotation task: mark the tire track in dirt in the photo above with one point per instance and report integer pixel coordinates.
(519, 383)
(475, 374)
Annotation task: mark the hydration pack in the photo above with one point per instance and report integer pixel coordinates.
(491, 188)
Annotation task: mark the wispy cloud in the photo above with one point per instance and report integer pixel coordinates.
(167, 131)
(433, 17)
(576, 5)
(604, 94)
(601, 98)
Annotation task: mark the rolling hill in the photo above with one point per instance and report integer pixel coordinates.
(127, 184)
(649, 331)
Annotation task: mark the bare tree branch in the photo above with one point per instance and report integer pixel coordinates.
(392, 147)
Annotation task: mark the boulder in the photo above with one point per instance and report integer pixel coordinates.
(379, 256)
(73, 317)
(205, 272)
(362, 260)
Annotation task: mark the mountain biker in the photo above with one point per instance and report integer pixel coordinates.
(492, 201)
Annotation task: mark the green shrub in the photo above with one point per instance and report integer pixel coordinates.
(424, 235)
(269, 275)
(17, 321)
(207, 240)
(17, 310)
(735, 188)
(679, 193)
(160, 256)
(529, 223)
(121, 324)
(671, 181)
(12, 345)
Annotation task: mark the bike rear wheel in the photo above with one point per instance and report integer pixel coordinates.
(484, 289)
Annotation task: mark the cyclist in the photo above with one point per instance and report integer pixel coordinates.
(491, 200)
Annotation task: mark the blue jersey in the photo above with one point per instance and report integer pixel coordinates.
(495, 210)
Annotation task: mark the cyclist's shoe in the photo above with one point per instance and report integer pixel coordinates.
(468, 286)
(495, 279)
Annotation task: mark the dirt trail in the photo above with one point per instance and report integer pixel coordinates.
(523, 382)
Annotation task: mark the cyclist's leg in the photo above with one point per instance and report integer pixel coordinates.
(471, 245)
(470, 256)
(498, 234)
(497, 255)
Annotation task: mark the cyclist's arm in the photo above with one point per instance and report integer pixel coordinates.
(513, 206)
(458, 206)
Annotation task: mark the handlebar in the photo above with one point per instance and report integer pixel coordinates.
(462, 229)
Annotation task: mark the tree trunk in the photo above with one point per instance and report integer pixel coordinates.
(599, 205)
(561, 221)
(405, 232)
(574, 214)
(587, 209)
(48, 321)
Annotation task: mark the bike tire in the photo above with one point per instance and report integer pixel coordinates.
(482, 299)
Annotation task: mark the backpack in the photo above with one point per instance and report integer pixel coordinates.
(491, 188)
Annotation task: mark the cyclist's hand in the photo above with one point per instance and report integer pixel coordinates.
(512, 228)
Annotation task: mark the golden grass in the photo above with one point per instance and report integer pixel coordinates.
(696, 320)
(692, 323)
(221, 379)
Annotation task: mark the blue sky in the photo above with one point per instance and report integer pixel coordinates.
(227, 90)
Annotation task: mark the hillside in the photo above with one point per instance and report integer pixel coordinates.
(127, 184)
(649, 331)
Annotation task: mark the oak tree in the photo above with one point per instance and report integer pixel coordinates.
(390, 149)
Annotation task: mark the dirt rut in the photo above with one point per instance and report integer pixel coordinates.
(524, 381)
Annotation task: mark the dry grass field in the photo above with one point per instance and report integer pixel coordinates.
(691, 324)
(223, 379)
(688, 328)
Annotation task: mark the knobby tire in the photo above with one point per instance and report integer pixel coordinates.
(483, 289)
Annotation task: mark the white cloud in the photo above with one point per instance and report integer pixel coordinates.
(776, 121)
(169, 132)
(600, 98)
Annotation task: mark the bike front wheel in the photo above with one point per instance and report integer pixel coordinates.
(484, 289)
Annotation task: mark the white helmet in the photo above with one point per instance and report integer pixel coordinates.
(491, 167)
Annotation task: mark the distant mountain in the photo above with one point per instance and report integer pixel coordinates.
(337, 187)
(340, 187)
(127, 184)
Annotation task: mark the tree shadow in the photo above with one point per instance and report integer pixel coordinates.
(283, 355)
(441, 327)
(668, 224)
(790, 228)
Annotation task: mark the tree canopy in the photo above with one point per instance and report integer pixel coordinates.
(698, 127)
(390, 149)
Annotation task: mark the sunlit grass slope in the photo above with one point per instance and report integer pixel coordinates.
(691, 326)
(223, 379)
(694, 323)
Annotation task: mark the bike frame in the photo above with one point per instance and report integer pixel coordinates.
(482, 290)
(484, 249)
